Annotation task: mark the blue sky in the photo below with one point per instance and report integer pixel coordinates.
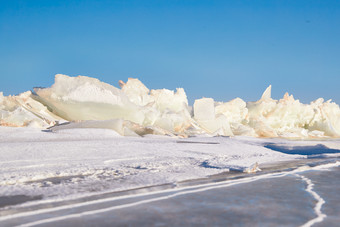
(218, 49)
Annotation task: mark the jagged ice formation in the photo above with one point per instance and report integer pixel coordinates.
(134, 110)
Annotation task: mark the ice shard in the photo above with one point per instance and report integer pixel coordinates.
(23, 110)
(288, 117)
(236, 113)
(204, 114)
(85, 98)
(162, 108)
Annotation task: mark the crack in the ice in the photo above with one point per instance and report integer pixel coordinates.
(173, 192)
(320, 201)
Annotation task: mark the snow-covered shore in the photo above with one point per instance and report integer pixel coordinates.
(34, 162)
(83, 137)
(75, 161)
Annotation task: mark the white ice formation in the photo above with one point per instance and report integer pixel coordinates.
(23, 110)
(84, 102)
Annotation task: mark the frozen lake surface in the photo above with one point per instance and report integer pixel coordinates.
(268, 202)
(275, 198)
(97, 178)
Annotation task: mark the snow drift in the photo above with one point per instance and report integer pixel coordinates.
(134, 110)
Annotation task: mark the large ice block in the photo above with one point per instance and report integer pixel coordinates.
(204, 109)
(23, 110)
(204, 114)
(85, 98)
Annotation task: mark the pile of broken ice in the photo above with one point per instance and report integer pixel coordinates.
(135, 110)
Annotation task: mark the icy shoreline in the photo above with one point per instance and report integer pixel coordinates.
(135, 110)
(76, 161)
(35, 162)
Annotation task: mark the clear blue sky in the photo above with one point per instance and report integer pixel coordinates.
(219, 49)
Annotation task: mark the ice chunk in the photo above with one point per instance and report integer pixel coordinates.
(242, 130)
(116, 125)
(136, 91)
(204, 113)
(290, 118)
(236, 113)
(326, 118)
(267, 94)
(85, 98)
(1, 97)
(169, 100)
(136, 110)
(122, 127)
(162, 108)
(252, 169)
(235, 109)
(161, 99)
(204, 109)
(174, 122)
(23, 110)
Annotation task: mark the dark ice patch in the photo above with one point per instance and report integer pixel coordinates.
(318, 149)
(206, 164)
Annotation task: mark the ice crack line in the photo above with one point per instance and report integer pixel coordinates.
(318, 205)
(173, 193)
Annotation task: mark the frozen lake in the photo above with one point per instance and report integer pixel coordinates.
(276, 197)
(268, 202)
(97, 178)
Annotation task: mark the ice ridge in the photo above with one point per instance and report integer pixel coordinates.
(134, 110)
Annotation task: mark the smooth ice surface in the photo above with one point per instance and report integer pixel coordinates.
(289, 197)
(256, 204)
(164, 112)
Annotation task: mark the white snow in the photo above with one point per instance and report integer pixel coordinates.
(70, 162)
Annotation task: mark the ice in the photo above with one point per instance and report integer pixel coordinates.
(204, 114)
(161, 99)
(236, 113)
(122, 127)
(290, 118)
(235, 110)
(204, 109)
(87, 158)
(137, 92)
(82, 157)
(162, 108)
(22, 110)
(267, 94)
(85, 98)
(99, 139)
(166, 112)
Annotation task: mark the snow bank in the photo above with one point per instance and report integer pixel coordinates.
(141, 111)
(71, 162)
